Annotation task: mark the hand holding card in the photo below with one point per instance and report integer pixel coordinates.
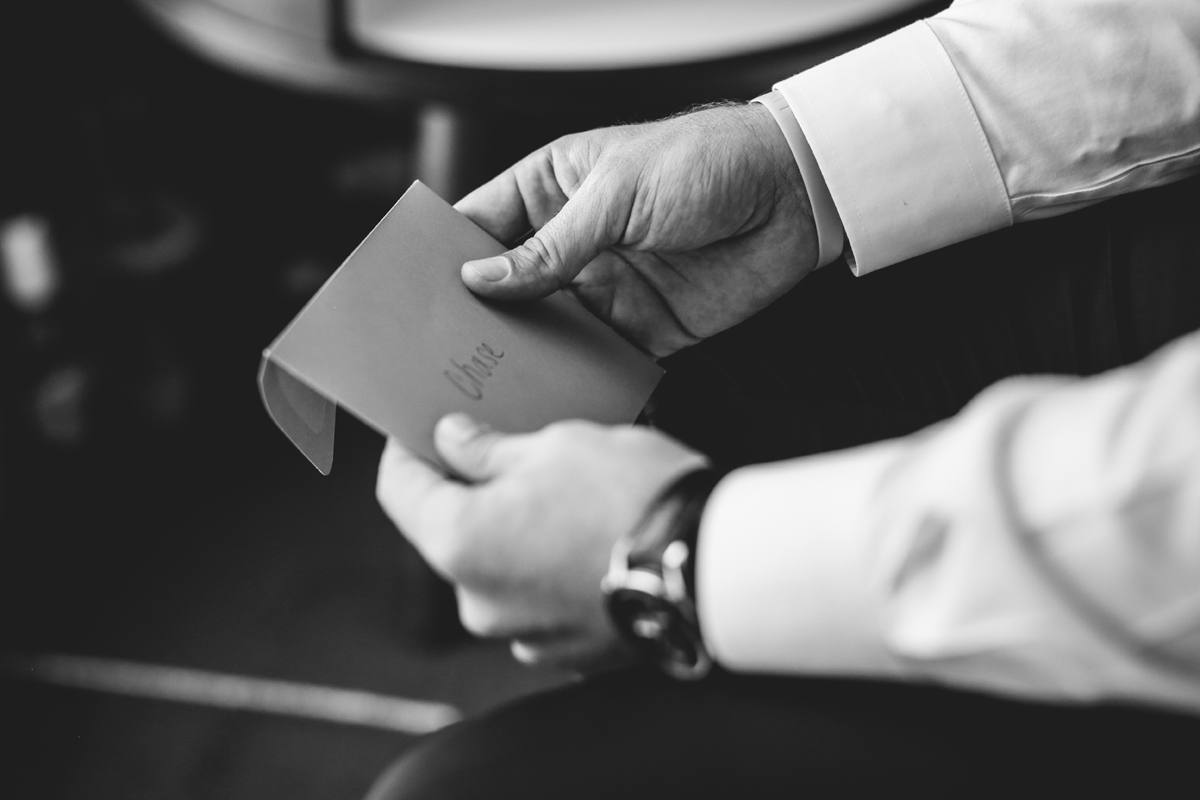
(395, 338)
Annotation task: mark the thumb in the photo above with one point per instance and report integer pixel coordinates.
(470, 448)
(551, 258)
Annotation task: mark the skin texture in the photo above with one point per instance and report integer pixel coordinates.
(671, 232)
(525, 533)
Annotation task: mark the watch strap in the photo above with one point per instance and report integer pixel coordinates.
(650, 585)
(684, 499)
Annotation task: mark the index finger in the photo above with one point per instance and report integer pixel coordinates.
(418, 498)
(498, 207)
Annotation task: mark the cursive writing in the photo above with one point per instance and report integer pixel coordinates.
(468, 376)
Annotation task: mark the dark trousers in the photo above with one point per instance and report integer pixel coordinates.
(838, 362)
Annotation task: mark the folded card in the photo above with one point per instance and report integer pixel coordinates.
(395, 338)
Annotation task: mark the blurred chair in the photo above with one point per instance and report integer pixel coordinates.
(463, 64)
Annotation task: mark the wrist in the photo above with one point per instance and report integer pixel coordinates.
(827, 222)
(790, 189)
(650, 586)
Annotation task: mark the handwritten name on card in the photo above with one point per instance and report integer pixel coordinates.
(396, 338)
(469, 377)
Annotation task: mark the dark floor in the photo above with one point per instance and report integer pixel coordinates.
(301, 579)
(169, 522)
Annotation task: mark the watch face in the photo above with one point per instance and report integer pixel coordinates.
(658, 629)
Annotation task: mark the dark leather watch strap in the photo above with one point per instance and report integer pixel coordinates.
(685, 499)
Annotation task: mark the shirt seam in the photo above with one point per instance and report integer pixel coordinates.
(1082, 192)
(994, 172)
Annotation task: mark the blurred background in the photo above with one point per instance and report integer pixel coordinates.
(177, 177)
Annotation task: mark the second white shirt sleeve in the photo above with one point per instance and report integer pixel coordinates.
(998, 111)
(1044, 543)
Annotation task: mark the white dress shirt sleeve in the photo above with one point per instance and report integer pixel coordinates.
(1044, 543)
(998, 111)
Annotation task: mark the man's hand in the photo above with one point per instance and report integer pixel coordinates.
(669, 231)
(525, 535)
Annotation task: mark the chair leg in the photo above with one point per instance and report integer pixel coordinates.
(441, 150)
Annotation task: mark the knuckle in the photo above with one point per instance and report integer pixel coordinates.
(573, 158)
(567, 147)
(477, 615)
(568, 435)
(541, 256)
(556, 438)
(631, 435)
(570, 429)
(484, 451)
(528, 654)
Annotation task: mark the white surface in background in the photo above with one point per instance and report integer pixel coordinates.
(609, 34)
(28, 266)
(346, 706)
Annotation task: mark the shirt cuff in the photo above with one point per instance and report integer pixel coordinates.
(830, 236)
(901, 149)
(782, 560)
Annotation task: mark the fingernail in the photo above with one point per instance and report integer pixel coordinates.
(456, 427)
(491, 269)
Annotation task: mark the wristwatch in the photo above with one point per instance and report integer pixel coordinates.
(650, 586)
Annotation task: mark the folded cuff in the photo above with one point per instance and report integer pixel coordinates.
(782, 566)
(900, 147)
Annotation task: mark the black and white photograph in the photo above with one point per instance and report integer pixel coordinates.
(644, 399)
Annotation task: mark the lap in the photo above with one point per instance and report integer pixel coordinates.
(637, 735)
